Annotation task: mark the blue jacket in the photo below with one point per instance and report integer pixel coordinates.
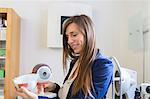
(102, 73)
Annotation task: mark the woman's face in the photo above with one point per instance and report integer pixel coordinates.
(75, 37)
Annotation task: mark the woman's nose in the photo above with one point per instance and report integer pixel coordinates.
(70, 40)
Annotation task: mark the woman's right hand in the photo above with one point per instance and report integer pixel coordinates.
(26, 94)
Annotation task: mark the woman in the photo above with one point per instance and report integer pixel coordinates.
(90, 73)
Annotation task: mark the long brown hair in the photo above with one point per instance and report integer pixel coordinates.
(83, 80)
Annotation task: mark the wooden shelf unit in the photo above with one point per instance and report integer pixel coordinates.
(11, 67)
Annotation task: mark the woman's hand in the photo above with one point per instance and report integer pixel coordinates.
(26, 94)
(49, 86)
(41, 88)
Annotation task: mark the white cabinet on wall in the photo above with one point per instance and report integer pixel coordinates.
(139, 40)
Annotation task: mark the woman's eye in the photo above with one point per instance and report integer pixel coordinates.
(74, 34)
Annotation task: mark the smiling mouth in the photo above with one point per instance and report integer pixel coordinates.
(74, 46)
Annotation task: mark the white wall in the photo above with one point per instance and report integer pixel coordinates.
(147, 47)
(111, 22)
(111, 19)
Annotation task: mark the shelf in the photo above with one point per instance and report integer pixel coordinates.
(2, 40)
(2, 57)
(3, 34)
(3, 48)
(2, 80)
(1, 90)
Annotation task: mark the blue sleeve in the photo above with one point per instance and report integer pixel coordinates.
(102, 73)
(102, 77)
